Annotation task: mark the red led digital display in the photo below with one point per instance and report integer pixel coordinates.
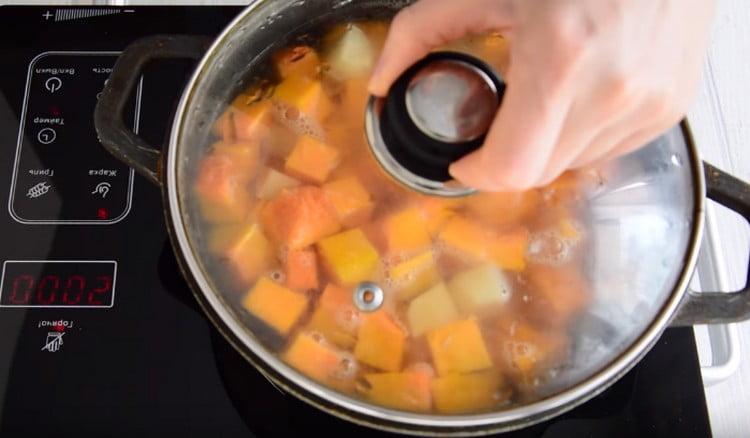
(57, 284)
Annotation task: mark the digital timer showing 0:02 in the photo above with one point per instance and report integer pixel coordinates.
(58, 283)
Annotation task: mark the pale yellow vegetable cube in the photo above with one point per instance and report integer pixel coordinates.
(431, 310)
(479, 290)
(272, 183)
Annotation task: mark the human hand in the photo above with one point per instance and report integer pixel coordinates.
(588, 80)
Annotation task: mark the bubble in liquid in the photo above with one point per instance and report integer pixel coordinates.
(347, 367)
(277, 276)
(549, 247)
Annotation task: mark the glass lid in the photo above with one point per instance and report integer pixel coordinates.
(346, 280)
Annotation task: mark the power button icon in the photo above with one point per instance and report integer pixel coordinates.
(53, 84)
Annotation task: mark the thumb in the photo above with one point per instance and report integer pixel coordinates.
(427, 24)
(521, 139)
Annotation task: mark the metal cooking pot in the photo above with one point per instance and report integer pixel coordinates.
(647, 223)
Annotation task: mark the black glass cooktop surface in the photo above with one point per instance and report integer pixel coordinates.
(98, 332)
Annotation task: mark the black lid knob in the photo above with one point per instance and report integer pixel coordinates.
(438, 111)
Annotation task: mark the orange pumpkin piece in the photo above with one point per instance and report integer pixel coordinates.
(222, 182)
(299, 217)
(254, 123)
(275, 305)
(297, 61)
(246, 248)
(406, 231)
(414, 275)
(508, 250)
(458, 347)
(465, 237)
(316, 359)
(527, 351)
(305, 96)
(505, 208)
(350, 200)
(467, 393)
(349, 256)
(408, 391)
(335, 316)
(558, 294)
(312, 159)
(301, 269)
(380, 342)
(437, 211)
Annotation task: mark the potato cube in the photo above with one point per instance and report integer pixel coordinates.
(312, 159)
(246, 248)
(406, 231)
(458, 348)
(414, 275)
(335, 316)
(275, 305)
(350, 200)
(508, 250)
(431, 310)
(301, 269)
(299, 217)
(272, 183)
(320, 361)
(479, 290)
(408, 391)
(349, 256)
(380, 342)
(467, 393)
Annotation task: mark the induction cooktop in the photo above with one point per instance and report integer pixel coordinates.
(99, 335)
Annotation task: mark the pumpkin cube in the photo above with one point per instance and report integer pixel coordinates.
(312, 159)
(275, 305)
(335, 316)
(467, 393)
(559, 293)
(465, 237)
(479, 290)
(431, 310)
(406, 231)
(408, 391)
(437, 211)
(299, 217)
(301, 269)
(320, 361)
(305, 96)
(297, 61)
(527, 351)
(414, 275)
(246, 248)
(503, 208)
(272, 182)
(458, 348)
(349, 256)
(253, 123)
(221, 188)
(350, 200)
(380, 342)
(508, 250)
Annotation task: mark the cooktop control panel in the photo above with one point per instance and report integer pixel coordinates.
(48, 187)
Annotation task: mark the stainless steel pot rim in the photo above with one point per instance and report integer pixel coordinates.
(540, 409)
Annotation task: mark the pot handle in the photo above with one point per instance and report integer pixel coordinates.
(114, 135)
(718, 307)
